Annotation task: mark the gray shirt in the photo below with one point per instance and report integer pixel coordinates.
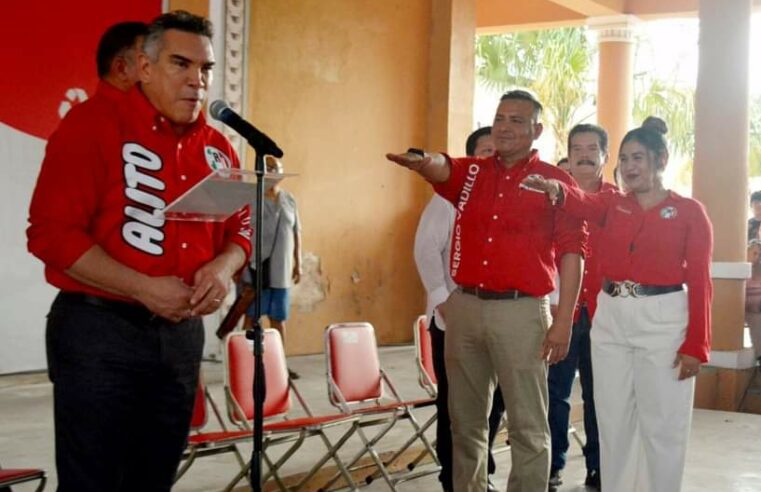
(281, 224)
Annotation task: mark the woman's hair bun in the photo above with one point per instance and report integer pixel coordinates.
(656, 124)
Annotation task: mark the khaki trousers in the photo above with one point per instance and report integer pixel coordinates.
(489, 341)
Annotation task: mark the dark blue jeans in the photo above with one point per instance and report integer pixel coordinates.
(123, 385)
(443, 423)
(560, 383)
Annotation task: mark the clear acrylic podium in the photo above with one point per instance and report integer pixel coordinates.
(218, 196)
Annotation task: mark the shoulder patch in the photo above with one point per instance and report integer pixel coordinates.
(216, 158)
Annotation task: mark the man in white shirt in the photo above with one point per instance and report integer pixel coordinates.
(432, 249)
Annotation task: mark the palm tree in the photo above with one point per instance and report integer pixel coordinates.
(673, 103)
(554, 64)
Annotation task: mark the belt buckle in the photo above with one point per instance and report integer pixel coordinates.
(627, 288)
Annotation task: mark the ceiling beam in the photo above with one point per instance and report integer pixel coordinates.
(594, 8)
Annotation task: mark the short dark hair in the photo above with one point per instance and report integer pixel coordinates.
(115, 41)
(651, 135)
(180, 20)
(521, 95)
(472, 142)
(602, 135)
(755, 197)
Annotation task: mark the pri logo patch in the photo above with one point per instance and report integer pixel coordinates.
(216, 158)
(668, 212)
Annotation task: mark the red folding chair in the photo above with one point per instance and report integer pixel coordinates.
(207, 443)
(356, 385)
(277, 429)
(424, 356)
(15, 476)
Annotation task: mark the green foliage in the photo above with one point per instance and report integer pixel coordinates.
(671, 102)
(553, 64)
(754, 140)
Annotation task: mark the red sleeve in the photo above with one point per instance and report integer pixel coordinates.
(570, 231)
(699, 287)
(238, 225)
(592, 207)
(238, 229)
(451, 188)
(66, 194)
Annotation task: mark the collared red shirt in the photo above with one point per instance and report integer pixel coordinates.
(106, 92)
(591, 282)
(108, 173)
(506, 237)
(669, 244)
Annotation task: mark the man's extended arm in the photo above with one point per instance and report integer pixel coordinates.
(433, 167)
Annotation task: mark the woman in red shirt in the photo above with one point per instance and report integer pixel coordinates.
(651, 331)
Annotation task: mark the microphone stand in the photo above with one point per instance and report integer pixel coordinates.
(262, 146)
(256, 333)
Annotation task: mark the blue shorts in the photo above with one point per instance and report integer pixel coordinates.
(275, 304)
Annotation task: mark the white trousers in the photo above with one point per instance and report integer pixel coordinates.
(643, 411)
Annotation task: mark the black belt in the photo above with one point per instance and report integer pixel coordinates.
(633, 289)
(137, 313)
(493, 294)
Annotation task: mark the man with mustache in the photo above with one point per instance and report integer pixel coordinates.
(587, 154)
(124, 334)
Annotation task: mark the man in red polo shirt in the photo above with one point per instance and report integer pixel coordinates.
(116, 57)
(499, 328)
(116, 64)
(588, 154)
(124, 335)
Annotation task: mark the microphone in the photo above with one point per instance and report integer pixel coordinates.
(220, 111)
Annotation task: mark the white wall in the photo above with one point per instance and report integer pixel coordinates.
(24, 295)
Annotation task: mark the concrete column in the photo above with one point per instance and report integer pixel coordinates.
(451, 75)
(720, 182)
(615, 97)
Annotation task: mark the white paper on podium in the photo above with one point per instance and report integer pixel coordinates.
(218, 196)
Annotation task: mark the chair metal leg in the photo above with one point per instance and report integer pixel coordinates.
(43, 481)
(332, 453)
(186, 465)
(274, 467)
(367, 449)
(378, 462)
(419, 434)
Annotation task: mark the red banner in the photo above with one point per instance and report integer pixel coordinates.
(48, 53)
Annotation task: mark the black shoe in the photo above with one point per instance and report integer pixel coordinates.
(593, 479)
(556, 480)
(293, 374)
(490, 487)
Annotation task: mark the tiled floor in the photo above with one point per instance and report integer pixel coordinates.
(724, 456)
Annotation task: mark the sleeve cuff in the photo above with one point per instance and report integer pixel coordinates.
(698, 352)
(244, 243)
(438, 295)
